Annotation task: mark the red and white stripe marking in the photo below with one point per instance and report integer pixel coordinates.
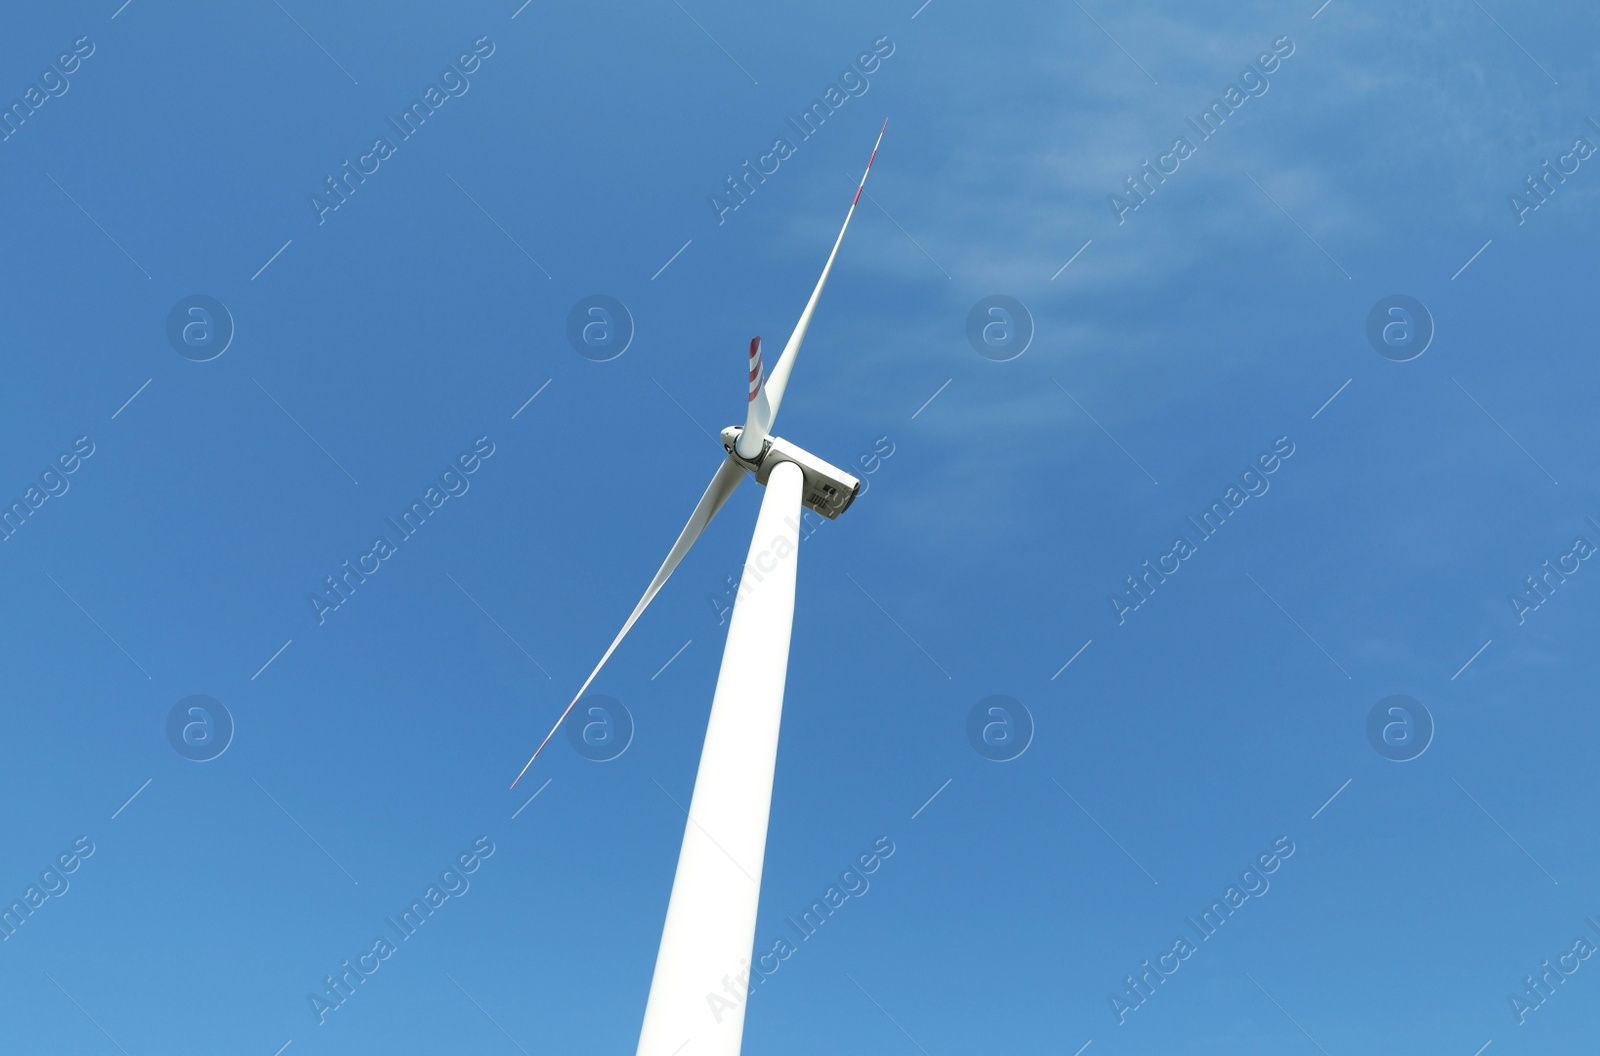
(757, 374)
(862, 185)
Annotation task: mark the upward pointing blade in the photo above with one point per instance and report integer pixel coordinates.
(727, 478)
(758, 416)
(780, 373)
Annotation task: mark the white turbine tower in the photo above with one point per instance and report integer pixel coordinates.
(695, 1006)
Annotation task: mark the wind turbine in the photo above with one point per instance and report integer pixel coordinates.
(708, 940)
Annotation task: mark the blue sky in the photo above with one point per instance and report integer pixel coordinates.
(411, 326)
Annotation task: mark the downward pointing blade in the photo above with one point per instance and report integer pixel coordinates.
(727, 478)
(780, 373)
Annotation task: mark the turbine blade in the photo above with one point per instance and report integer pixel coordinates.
(780, 373)
(722, 485)
(758, 418)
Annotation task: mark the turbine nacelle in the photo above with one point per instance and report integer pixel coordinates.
(827, 490)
